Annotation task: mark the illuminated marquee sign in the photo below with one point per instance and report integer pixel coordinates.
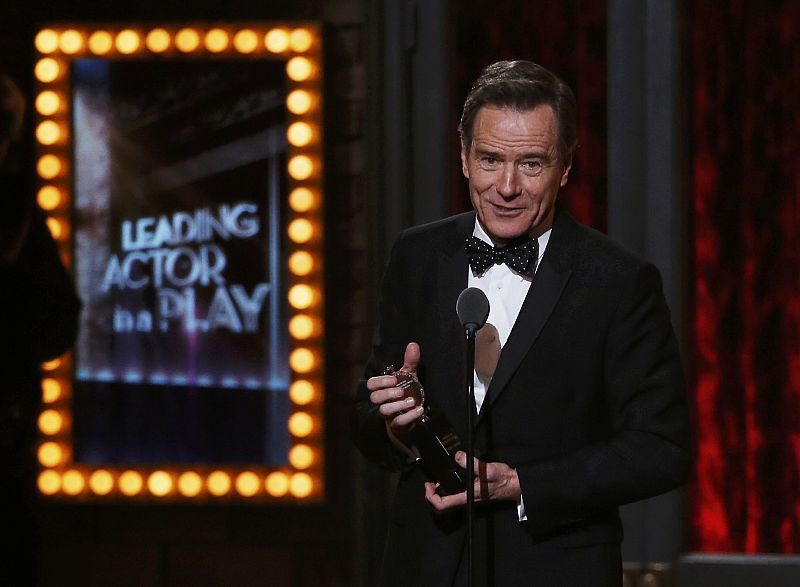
(180, 167)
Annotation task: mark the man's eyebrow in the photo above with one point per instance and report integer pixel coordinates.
(490, 152)
(537, 154)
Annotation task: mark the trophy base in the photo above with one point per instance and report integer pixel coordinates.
(437, 452)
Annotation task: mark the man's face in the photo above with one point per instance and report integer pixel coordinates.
(514, 171)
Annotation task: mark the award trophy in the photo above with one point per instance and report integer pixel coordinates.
(435, 442)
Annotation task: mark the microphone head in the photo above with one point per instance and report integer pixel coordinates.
(472, 308)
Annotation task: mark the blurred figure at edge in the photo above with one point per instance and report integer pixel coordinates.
(38, 322)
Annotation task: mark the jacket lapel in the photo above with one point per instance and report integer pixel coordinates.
(548, 284)
(452, 273)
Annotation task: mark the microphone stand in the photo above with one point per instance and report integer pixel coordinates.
(472, 308)
(469, 331)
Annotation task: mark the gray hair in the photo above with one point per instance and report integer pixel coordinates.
(522, 85)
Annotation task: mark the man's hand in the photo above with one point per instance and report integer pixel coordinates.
(493, 482)
(400, 414)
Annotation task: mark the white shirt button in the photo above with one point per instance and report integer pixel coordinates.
(499, 285)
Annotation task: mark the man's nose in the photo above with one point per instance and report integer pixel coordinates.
(507, 184)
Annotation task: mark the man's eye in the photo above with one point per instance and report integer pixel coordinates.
(489, 161)
(532, 166)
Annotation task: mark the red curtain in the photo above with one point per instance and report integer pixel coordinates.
(568, 38)
(745, 109)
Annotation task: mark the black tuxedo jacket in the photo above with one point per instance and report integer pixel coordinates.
(587, 403)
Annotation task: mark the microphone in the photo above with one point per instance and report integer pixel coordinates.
(472, 308)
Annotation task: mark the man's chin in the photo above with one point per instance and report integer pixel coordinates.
(503, 234)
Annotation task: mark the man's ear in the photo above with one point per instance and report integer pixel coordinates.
(464, 154)
(565, 175)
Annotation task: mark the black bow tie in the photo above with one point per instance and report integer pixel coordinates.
(520, 257)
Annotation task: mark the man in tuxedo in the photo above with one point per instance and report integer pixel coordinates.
(580, 397)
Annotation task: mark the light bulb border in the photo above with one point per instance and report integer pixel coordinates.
(61, 213)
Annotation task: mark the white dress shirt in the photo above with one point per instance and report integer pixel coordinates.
(506, 291)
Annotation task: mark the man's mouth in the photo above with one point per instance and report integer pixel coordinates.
(505, 210)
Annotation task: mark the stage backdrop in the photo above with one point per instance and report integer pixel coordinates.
(745, 496)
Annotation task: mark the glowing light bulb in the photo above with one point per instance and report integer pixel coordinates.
(301, 456)
(302, 200)
(301, 296)
(302, 360)
(301, 263)
(46, 41)
(300, 424)
(159, 483)
(100, 42)
(187, 40)
(56, 228)
(101, 482)
(219, 483)
(301, 327)
(300, 230)
(276, 41)
(300, 134)
(48, 166)
(190, 484)
(301, 167)
(301, 485)
(299, 69)
(47, 103)
(50, 454)
(245, 41)
(49, 482)
(298, 102)
(301, 392)
(50, 422)
(47, 70)
(157, 40)
(277, 484)
(72, 482)
(51, 390)
(71, 42)
(127, 41)
(130, 483)
(248, 484)
(48, 132)
(216, 40)
(300, 40)
(52, 364)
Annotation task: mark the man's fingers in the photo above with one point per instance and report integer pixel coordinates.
(391, 409)
(389, 394)
(487, 476)
(479, 466)
(381, 382)
(409, 417)
(443, 503)
(404, 419)
(482, 491)
(411, 357)
(401, 412)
